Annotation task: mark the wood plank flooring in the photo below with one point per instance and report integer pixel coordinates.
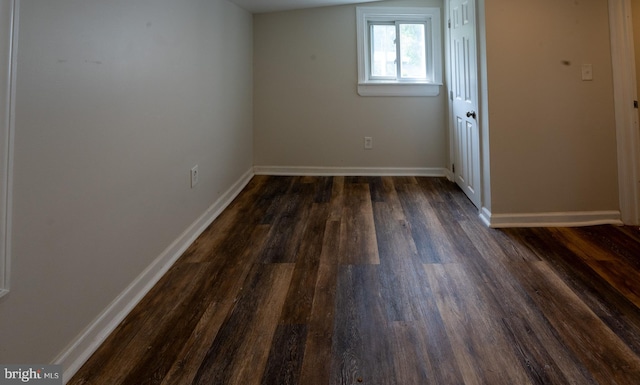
(385, 281)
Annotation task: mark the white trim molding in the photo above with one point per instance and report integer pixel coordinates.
(624, 83)
(430, 86)
(558, 219)
(398, 89)
(8, 54)
(348, 171)
(449, 175)
(79, 351)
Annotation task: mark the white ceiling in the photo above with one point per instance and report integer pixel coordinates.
(262, 6)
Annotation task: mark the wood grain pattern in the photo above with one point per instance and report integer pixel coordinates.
(358, 235)
(382, 281)
(316, 371)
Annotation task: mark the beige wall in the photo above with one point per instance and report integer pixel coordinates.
(307, 111)
(116, 100)
(552, 136)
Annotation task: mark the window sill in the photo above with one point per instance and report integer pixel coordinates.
(399, 89)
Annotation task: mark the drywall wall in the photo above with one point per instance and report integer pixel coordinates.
(306, 108)
(116, 101)
(552, 135)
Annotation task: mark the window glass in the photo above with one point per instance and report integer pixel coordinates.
(383, 51)
(412, 51)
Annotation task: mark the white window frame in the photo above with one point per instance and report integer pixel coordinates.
(368, 86)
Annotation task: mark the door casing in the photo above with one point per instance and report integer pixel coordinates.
(625, 93)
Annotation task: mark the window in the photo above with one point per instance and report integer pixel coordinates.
(399, 51)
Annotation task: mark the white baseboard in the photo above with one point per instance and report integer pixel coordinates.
(559, 219)
(485, 216)
(79, 351)
(449, 175)
(349, 171)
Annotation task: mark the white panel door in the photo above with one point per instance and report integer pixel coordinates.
(464, 92)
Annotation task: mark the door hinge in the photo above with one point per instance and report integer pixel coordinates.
(453, 168)
(449, 23)
(635, 104)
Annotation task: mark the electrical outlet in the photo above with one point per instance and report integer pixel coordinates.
(368, 142)
(195, 176)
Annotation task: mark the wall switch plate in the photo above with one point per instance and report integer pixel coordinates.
(587, 72)
(368, 142)
(195, 176)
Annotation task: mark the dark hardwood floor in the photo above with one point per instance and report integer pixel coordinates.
(386, 281)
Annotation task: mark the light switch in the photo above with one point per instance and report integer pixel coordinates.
(587, 72)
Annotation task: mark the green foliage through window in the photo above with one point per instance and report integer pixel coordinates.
(390, 41)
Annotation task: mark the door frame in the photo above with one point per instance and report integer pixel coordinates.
(625, 93)
(8, 50)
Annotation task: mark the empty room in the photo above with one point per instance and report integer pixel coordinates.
(320, 191)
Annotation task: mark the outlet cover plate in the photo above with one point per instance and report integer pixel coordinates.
(587, 72)
(368, 142)
(195, 176)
